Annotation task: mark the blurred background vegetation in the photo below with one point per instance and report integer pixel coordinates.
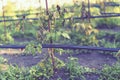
(77, 31)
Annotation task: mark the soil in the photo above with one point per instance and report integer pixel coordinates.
(91, 60)
(95, 60)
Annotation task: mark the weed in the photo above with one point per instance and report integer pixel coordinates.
(75, 70)
(110, 72)
(33, 49)
(3, 60)
(118, 55)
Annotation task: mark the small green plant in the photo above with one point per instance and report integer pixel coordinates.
(15, 73)
(2, 60)
(59, 63)
(6, 39)
(110, 72)
(34, 73)
(75, 70)
(48, 62)
(46, 67)
(3, 64)
(33, 49)
(42, 72)
(72, 67)
(118, 55)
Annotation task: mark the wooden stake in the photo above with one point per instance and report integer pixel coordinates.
(51, 52)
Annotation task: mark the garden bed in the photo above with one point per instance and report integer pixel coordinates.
(94, 61)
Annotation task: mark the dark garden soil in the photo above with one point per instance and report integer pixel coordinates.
(91, 60)
(95, 60)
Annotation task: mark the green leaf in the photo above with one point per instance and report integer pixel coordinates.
(65, 35)
(68, 15)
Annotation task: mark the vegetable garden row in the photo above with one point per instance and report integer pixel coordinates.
(81, 42)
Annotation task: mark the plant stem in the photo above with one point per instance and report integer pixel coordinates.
(51, 50)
